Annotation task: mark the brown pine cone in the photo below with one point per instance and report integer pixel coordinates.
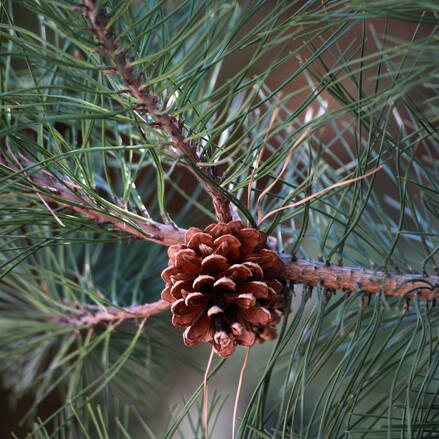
(223, 288)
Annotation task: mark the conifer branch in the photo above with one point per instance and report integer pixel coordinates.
(63, 192)
(334, 277)
(298, 107)
(109, 315)
(149, 104)
(66, 193)
(298, 271)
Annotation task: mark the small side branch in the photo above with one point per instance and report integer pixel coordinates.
(89, 318)
(66, 194)
(148, 103)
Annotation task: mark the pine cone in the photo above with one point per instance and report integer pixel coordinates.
(223, 288)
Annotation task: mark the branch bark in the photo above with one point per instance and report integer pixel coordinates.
(350, 279)
(110, 315)
(65, 193)
(299, 271)
(149, 104)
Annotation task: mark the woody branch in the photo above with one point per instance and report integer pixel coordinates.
(149, 103)
(108, 315)
(67, 194)
(299, 271)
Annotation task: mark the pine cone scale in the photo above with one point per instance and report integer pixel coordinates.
(246, 300)
(214, 264)
(238, 272)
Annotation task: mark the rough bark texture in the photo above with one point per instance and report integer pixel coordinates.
(300, 271)
(150, 104)
(108, 315)
(349, 279)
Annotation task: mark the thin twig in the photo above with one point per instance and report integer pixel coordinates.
(89, 318)
(20, 167)
(67, 194)
(150, 104)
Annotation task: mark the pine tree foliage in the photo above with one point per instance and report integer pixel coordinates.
(361, 136)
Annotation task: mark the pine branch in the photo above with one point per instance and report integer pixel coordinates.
(149, 104)
(61, 191)
(65, 193)
(333, 277)
(109, 315)
(299, 271)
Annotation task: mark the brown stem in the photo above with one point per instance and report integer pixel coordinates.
(65, 193)
(112, 315)
(350, 279)
(148, 229)
(149, 104)
(299, 271)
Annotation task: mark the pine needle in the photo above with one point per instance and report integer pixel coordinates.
(238, 392)
(284, 167)
(206, 394)
(323, 191)
(259, 158)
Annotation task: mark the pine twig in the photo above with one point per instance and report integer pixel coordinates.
(65, 193)
(149, 104)
(110, 315)
(299, 271)
(334, 277)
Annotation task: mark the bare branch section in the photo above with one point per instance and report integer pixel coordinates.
(65, 193)
(299, 271)
(149, 104)
(90, 318)
(350, 279)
